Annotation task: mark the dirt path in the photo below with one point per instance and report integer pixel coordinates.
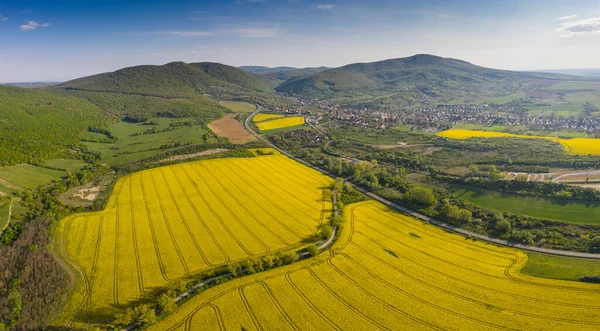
(189, 156)
(9, 214)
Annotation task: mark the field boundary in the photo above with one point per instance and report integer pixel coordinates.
(417, 215)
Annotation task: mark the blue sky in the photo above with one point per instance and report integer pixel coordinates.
(62, 39)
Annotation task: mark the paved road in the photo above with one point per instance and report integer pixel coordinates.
(421, 216)
(584, 173)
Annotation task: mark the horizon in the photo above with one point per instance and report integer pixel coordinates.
(68, 39)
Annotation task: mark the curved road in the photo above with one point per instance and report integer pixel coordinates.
(419, 215)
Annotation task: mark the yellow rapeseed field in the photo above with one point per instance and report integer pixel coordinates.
(167, 223)
(572, 145)
(281, 123)
(264, 117)
(390, 271)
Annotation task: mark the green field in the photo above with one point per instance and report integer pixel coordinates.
(574, 86)
(502, 99)
(551, 209)
(65, 164)
(559, 110)
(20, 177)
(238, 107)
(131, 148)
(560, 267)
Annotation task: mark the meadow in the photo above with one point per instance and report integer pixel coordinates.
(238, 107)
(280, 123)
(171, 223)
(571, 145)
(388, 271)
(24, 176)
(551, 209)
(560, 267)
(132, 144)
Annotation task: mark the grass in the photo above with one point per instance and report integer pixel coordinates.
(289, 128)
(23, 176)
(582, 97)
(502, 99)
(65, 164)
(551, 209)
(243, 108)
(128, 148)
(574, 86)
(560, 267)
(559, 110)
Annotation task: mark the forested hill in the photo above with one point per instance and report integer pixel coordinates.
(176, 79)
(422, 73)
(40, 124)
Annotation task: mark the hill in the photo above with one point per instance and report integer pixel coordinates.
(417, 77)
(41, 124)
(176, 79)
(280, 74)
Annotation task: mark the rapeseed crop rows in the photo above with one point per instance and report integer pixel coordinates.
(280, 123)
(571, 146)
(263, 117)
(388, 271)
(164, 224)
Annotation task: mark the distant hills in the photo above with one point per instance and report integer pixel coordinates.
(32, 84)
(176, 79)
(408, 78)
(280, 74)
(592, 73)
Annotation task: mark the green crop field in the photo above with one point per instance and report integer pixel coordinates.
(238, 107)
(131, 148)
(559, 210)
(65, 164)
(560, 267)
(20, 177)
(574, 86)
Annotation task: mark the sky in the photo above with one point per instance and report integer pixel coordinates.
(58, 40)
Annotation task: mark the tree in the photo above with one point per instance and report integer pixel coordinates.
(312, 250)
(326, 231)
(421, 196)
(503, 226)
(595, 244)
(166, 303)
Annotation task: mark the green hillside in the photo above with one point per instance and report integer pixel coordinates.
(36, 125)
(176, 79)
(430, 76)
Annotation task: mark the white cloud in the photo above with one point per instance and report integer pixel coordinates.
(232, 32)
(32, 25)
(3, 18)
(567, 18)
(588, 26)
(326, 6)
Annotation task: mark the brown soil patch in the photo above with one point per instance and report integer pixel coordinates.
(189, 156)
(397, 145)
(89, 194)
(231, 129)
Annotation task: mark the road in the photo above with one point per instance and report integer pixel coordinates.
(584, 173)
(420, 216)
(9, 213)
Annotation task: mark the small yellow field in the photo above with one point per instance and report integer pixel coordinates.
(391, 272)
(281, 123)
(581, 145)
(264, 117)
(572, 145)
(168, 223)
